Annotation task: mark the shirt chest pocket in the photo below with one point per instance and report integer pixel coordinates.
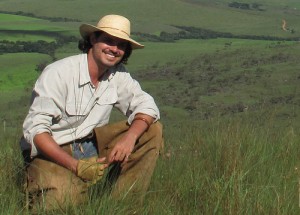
(96, 108)
(109, 97)
(77, 109)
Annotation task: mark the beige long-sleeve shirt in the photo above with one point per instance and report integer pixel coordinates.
(66, 105)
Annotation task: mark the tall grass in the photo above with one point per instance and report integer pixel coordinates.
(230, 167)
(233, 166)
(11, 172)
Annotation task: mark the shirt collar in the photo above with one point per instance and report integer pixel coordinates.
(110, 73)
(84, 76)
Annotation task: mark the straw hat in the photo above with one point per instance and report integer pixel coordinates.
(114, 25)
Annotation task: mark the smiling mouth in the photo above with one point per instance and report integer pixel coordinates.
(111, 55)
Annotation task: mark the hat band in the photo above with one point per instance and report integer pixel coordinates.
(117, 30)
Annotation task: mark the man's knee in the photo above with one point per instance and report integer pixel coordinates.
(153, 137)
(49, 186)
(157, 129)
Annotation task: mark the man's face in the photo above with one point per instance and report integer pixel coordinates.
(108, 50)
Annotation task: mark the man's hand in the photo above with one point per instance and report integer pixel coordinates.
(122, 149)
(91, 169)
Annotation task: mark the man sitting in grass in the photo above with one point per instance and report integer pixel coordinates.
(67, 142)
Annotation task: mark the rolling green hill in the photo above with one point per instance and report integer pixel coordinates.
(230, 106)
(160, 15)
(218, 80)
(161, 63)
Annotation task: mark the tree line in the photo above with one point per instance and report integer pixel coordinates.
(51, 19)
(187, 32)
(245, 6)
(39, 46)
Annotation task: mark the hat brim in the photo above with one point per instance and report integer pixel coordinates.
(86, 30)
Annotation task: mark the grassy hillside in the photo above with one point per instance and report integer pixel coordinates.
(230, 107)
(19, 75)
(236, 80)
(156, 15)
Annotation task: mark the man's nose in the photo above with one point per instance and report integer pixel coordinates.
(114, 48)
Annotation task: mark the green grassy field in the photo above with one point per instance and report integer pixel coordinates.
(18, 70)
(14, 37)
(151, 16)
(230, 107)
(216, 167)
(17, 22)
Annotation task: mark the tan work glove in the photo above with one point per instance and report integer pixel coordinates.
(90, 169)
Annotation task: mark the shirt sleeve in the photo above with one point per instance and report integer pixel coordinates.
(45, 107)
(132, 99)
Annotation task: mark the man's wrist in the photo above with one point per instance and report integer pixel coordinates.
(144, 119)
(132, 135)
(74, 166)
